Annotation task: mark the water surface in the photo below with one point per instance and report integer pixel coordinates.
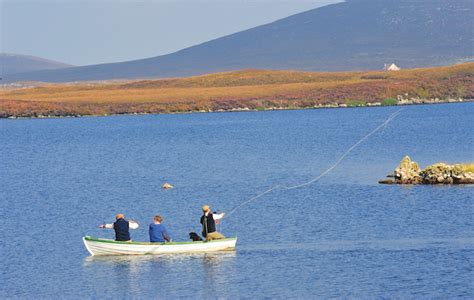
(343, 236)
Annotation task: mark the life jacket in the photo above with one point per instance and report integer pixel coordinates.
(121, 228)
(208, 224)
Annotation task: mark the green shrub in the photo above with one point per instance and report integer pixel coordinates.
(468, 167)
(355, 103)
(422, 93)
(389, 102)
(460, 91)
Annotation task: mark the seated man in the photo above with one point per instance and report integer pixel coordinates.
(121, 227)
(208, 221)
(157, 231)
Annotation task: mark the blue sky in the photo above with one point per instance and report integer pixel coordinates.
(92, 32)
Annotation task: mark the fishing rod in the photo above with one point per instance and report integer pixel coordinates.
(282, 187)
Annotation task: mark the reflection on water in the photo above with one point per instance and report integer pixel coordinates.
(127, 271)
(207, 258)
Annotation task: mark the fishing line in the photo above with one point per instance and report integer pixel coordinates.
(383, 125)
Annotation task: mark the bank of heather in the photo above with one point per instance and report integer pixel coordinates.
(240, 91)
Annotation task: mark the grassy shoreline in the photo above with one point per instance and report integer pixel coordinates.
(225, 111)
(248, 90)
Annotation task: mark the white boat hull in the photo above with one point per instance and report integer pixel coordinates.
(97, 246)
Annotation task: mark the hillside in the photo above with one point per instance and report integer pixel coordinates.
(354, 35)
(18, 63)
(242, 90)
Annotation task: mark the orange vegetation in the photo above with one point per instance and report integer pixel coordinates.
(253, 89)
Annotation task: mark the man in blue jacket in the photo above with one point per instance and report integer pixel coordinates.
(157, 231)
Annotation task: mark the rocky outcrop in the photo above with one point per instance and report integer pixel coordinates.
(441, 173)
(408, 172)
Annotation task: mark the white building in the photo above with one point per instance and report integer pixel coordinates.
(391, 67)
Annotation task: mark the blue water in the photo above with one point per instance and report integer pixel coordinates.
(343, 236)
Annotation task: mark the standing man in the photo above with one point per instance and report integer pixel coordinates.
(121, 227)
(157, 231)
(208, 222)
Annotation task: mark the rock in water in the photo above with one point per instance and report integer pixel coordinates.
(407, 172)
(437, 173)
(442, 173)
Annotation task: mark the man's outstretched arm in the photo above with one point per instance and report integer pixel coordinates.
(107, 226)
(133, 224)
(218, 216)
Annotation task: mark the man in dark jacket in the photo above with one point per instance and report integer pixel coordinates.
(208, 222)
(121, 227)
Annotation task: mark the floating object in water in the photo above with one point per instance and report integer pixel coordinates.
(167, 186)
(97, 246)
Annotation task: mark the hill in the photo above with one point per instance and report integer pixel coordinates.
(242, 90)
(354, 35)
(18, 63)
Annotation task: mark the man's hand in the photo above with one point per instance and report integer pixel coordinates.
(102, 226)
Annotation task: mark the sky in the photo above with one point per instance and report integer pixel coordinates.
(101, 31)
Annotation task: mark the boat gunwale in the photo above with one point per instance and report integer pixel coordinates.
(100, 240)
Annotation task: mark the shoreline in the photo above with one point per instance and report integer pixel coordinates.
(402, 102)
(244, 90)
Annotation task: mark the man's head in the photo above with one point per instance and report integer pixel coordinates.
(119, 216)
(158, 218)
(206, 208)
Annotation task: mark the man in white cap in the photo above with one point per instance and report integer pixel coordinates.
(208, 221)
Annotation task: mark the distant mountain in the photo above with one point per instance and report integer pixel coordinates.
(18, 63)
(354, 35)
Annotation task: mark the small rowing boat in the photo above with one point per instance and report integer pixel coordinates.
(98, 246)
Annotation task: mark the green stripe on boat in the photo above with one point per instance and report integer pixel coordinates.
(93, 239)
